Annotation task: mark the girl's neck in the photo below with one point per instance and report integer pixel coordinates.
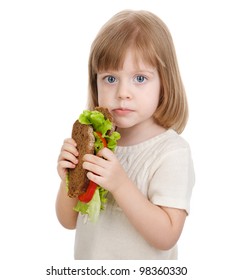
(135, 135)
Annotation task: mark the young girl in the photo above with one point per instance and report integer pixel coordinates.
(133, 71)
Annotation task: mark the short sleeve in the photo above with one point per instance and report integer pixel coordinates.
(172, 182)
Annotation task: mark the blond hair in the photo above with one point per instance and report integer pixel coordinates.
(151, 40)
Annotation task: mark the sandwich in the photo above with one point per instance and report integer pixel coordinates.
(93, 131)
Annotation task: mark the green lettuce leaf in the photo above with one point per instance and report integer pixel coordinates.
(96, 204)
(97, 120)
(112, 140)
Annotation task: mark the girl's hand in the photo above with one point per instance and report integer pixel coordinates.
(105, 170)
(67, 158)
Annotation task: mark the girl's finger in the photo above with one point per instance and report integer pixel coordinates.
(65, 164)
(106, 154)
(96, 169)
(70, 141)
(70, 148)
(67, 156)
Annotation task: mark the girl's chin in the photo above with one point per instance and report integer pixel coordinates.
(121, 125)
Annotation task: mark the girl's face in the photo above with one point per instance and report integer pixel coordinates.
(131, 94)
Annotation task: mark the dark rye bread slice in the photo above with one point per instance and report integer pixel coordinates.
(84, 137)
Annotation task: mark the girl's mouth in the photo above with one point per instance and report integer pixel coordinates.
(122, 111)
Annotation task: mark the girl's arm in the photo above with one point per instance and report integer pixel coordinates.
(64, 208)
(64, 204)
(160, 226)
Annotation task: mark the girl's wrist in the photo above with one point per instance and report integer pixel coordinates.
(63, 185)
(122, 189)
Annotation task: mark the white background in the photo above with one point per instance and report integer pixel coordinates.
(44, 48)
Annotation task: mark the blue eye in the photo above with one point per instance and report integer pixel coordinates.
(110, 79)
(140, 79)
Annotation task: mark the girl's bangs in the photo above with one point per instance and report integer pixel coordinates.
(111, 57)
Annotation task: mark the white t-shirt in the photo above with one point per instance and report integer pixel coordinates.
(162, 169)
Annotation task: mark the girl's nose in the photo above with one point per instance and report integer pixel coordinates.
(123, 91)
